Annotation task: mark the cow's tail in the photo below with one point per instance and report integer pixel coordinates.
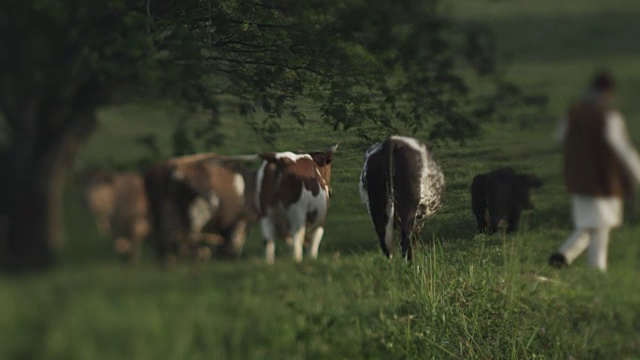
(390, 210)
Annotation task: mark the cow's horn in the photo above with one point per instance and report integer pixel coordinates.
(332, 149)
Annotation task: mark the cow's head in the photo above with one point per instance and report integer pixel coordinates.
(94, 181)
(323, 160)
(524, 183)
(94, 177)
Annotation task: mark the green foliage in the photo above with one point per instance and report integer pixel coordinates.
(395, 65)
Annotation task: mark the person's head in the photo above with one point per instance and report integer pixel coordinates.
(603, 83)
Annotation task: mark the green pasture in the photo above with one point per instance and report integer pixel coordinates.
(465, 296)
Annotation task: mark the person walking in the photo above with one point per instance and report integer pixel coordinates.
(600, 164)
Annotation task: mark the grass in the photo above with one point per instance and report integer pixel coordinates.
(464, 296)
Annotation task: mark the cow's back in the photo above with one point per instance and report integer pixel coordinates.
(231, 184)
(406, 167)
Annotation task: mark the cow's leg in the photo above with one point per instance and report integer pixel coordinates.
(316, 238)
(479, 201)
(268, 234)
(494, 223)
(298, 242)
(104, 225)
(140, 230)
(238, 236)
(122, 245)
(513, 219)
(297, 221)
(407, 251)
(167, 223)
(135, 229)
(407, 211)
(407, 216)
(382, 222)
(270, 250)
(136, 248)
(199, 214)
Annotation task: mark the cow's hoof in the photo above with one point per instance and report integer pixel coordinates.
(204, 253)
(122, 245)
(558, 261)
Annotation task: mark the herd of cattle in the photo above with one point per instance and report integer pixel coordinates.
(195, 205)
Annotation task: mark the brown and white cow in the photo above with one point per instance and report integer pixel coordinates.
(119, 204)
(200, 201)
(292, 195)
(401, 186)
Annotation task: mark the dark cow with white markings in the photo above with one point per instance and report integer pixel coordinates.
(200, 202)
(498, 198)
(401, 186)
(292, 196)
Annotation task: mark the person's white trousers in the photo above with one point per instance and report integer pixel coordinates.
(596, 240)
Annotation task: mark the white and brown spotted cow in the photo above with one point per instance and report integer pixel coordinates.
(292, 195)
(199, 202)
(401, 186)
(120, 207)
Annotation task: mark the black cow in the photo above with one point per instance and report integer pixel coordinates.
(501, 195)
(401, 186)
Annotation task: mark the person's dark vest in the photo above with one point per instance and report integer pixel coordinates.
(590, 166)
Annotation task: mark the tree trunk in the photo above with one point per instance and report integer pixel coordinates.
(27, 242)
(31, 200)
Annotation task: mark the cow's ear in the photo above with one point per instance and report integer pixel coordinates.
(103, 176)
(534, 181)
(328, 155)
(321, 159)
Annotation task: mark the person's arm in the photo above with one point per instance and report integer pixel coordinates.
(561, 130)
(616, 136)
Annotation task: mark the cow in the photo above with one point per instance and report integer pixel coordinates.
(200, 202)
(292, 197)
(500, 196)
(401, 186)
(119, 204)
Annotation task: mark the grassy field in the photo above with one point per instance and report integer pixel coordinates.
(465, 296)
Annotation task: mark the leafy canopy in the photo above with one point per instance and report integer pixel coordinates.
(363, 63)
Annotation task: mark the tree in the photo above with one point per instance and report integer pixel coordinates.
(362, 62)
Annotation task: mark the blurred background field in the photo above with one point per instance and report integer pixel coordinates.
(466, 296)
